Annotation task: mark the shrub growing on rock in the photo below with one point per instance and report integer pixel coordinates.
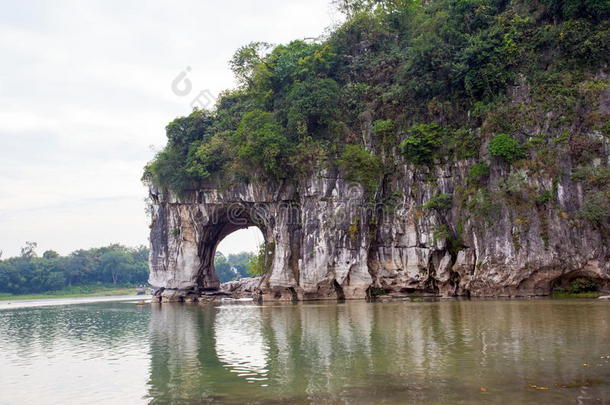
(440, 202)
(506, 147)
(361, 166)
(478, 172)
(583, 284)
(596, 207)
(422, 143)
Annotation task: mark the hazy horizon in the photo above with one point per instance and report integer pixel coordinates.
(86, 97)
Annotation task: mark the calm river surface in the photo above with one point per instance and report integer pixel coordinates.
(449, 352)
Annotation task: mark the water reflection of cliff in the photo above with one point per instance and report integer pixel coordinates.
(359, 352)
(239, 342)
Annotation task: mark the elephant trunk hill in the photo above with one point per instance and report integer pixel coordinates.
(431, 148)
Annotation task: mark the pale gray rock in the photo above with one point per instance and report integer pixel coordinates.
(328, 243)
(242, 288)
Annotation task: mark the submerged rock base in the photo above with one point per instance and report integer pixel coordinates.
(243, 288)
(181, 295)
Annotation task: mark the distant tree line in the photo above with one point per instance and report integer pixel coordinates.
(110, 265)
(115, 265)
(234, 266)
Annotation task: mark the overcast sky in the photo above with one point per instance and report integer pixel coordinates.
(85, 94)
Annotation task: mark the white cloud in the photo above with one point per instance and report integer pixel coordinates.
(84, 92)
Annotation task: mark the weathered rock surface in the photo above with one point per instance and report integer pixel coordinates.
(329, 241)
(242, 288)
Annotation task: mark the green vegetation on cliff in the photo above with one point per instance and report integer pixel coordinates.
(514, 84)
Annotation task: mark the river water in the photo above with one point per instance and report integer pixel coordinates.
(447, 352)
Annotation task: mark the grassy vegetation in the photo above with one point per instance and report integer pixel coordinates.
(567, 294)
(74, 292)
(580, 287)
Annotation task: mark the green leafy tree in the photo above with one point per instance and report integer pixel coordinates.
(173, 166)
(239, 262)
(312, 107)
(183, 131)
(247, 60)
(361, 166)
(50, 254)
(467, 69)
(223, 268)
(233, 266)
(259, 264)
(114, 264)
(81, 267)
(478, 172)
(261, 144)
(296, 61)
(353, 7)
(506, 147)
(440, 202)
(29, 250)
(55, 281)
(596, 207)
(212, 157)
(422, 143)
(596, 10)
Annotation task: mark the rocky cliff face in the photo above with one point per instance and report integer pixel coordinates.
(329, 241)
(416, 149)
(441, 150)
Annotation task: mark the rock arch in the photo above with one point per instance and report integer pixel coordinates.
(186, 231)
(330, 242)
(221, 225)
(185, 237)
(590, 272)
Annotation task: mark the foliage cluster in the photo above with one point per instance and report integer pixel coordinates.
(506, 147)
(260, 263)
(596, 181)
(478, 172)
(422, 143)
(361, 166)
(244, 264)
(233, 266)
(440, 202)
(582, 285)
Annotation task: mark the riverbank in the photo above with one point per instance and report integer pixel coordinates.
(74, 292)
(587, 294)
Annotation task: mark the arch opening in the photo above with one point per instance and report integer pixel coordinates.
(221, 223)
(234, 251)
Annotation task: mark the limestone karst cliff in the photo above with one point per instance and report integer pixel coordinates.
(422, 147)
(329, 242)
